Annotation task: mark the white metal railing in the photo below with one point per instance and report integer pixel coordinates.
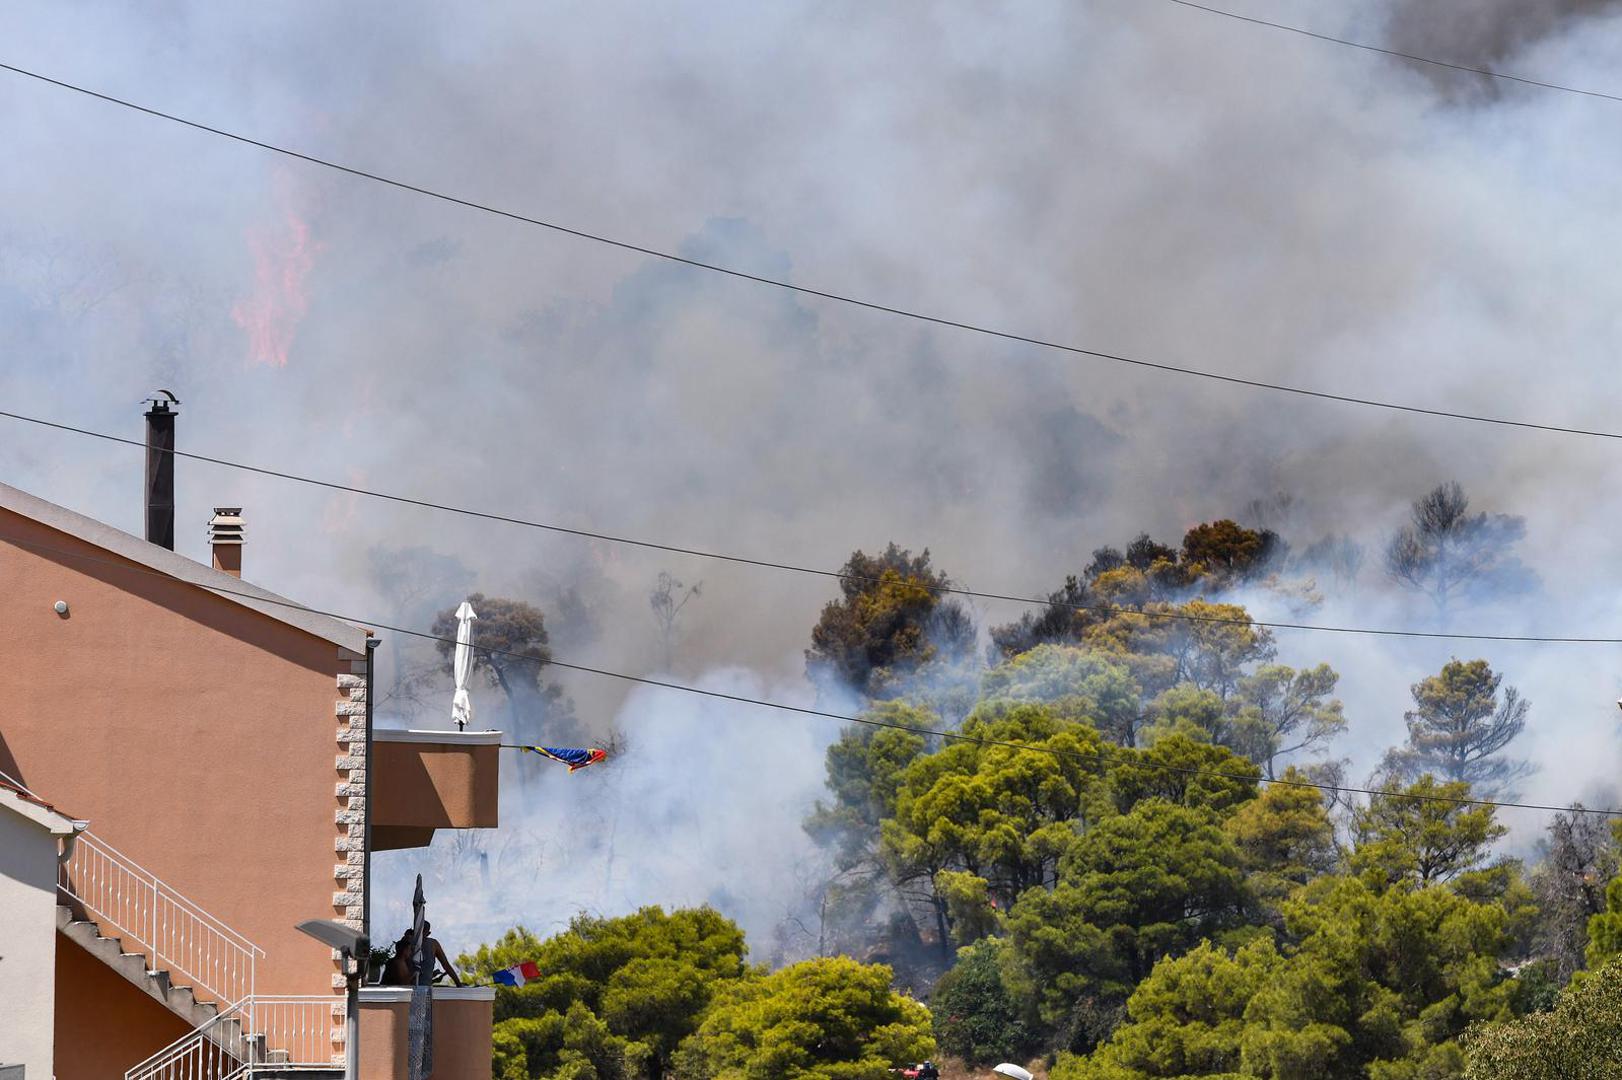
(287, 1033)
(152, 918)
(215, 1051)
(308, 1030)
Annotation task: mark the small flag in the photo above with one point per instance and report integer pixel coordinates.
(518, 974)
(574, 758)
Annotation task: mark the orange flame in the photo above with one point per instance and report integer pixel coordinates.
(283, 255)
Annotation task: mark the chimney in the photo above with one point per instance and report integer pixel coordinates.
(225, 537)
(160, 469)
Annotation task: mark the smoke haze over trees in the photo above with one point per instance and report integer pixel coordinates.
(1141, 179)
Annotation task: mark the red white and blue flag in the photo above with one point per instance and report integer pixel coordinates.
(518, 974)
(576, 759)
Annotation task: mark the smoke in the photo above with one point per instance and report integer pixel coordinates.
(1136, 178)
(1478, 33)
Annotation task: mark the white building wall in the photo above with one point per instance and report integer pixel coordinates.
(27, 944)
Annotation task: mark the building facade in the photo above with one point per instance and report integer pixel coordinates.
(216, 737)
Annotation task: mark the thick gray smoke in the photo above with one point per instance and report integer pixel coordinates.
(1138, 178)
(1482, 33)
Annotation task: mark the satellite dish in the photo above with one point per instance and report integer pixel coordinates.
(1013, 1072)
(337, 935)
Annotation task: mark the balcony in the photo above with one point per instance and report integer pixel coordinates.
(427, 780)
(463, 1017)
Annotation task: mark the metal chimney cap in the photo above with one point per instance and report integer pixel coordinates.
(161, 400)
(226, 526)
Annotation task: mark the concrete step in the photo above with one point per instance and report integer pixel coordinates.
(156, 984)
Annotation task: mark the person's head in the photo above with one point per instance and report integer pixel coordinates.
(426, 927)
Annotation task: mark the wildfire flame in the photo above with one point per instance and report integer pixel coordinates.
(283, 255)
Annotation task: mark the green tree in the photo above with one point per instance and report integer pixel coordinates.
(1459, 727)
(828, 1019)
(975, 1017)
(1378, 986)
(1285, 839)
(1185, 1019)
(1183, 771)
(1422, 835)
(864, 768)
(1135, 888)
(1581, 1038)
(1381, 985)
(890, 619)
(615, 996)
(1075, 683)
(1283, 711)
(1605, 927)
(1210, 645)
(1004, 813)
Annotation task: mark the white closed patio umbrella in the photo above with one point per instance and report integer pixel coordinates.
(461, 704)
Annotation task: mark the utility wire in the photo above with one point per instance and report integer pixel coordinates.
(949, 590)
(778, 283)
(764, 703)
(1411, 57)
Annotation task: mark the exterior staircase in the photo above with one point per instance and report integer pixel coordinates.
(226, 1035)
(195, 966)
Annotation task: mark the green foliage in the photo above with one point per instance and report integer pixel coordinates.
(1003, 813)
(1380, 984)
(1185, 1019)
(1285, 839)
(1180, 770)
(1605, 927)
(615, 996)
(1134, 888)
(1284, 711)
(829, 1019)
(1207, 644)
(891, 618)
(1423, 838)
(975, 1017)
(1075, 683)
(864, 769)
(1459, 727)
(1580, 1038)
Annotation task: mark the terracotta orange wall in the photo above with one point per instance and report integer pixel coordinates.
(197, 736)
(461, 1039)
(103, 1024)
(424, 785)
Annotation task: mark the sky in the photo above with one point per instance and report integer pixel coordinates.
(1136, 178)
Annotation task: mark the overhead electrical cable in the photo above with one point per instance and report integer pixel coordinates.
(1397, 53)
(779, 283)
(700, 553)
(803, 710)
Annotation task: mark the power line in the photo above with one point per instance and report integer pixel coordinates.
(803, 710)
(949, 590)
(1411, 57)
(778, 283)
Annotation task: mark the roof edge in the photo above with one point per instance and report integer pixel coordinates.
(38, 811)
(180, 568)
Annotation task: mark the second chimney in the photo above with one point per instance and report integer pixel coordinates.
(225, 537)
